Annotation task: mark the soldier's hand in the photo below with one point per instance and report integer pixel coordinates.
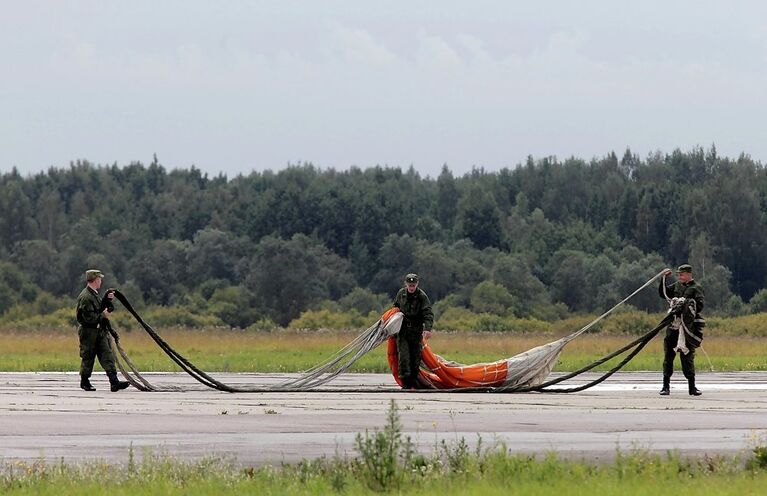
(106, 313)
(667, 271)
(426, 334)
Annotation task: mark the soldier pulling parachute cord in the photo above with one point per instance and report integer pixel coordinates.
(525, 372)
(677, 307)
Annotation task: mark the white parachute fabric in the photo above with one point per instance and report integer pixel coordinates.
(339, 363)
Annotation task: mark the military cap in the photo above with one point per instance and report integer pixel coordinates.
(411, 278)
(684, 268)
(92, 274)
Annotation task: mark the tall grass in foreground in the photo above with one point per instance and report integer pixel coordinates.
(292, 351)
(387, 462)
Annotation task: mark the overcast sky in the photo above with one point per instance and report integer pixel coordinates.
(239, 86)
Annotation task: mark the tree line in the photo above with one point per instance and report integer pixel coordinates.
(543, 239)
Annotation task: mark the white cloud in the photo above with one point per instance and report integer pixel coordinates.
(475, 47)
(357, 46)
(434, 52)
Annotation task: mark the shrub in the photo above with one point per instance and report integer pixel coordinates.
(263, 324)
(747, 325)
(631, 322)
(61, 318)
(491, 297)
(179, 317)
(457, 319)
(326, 319)
(490, 323)
(364, 301)
(573, 323)
(494, 323)
(549, 312)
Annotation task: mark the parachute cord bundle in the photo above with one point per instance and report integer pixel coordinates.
(139, 382)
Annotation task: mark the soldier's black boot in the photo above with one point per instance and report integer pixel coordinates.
(405, 382)
(693, 390)
(409, 383)
(86, 385)
(115, 384)
(666, 390)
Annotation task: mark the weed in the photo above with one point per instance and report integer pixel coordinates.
(379, 452)
(396, 468)
(759, 459)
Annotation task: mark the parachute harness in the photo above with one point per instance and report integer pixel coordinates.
(677, 307)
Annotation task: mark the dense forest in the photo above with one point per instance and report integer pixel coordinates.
(543, 239)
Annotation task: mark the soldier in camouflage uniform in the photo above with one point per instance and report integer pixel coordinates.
(690, 309)
(416, 325)
(91, 311)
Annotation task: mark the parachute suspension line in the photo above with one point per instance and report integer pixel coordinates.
(615, 307)
(114, 342)
(384, 328)
(638, 344)
(182, 362)
(710, 365)
(544, 387)
(337, 364)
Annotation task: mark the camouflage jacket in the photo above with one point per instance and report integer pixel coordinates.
(692, 316)
(89, 308)
(690, 289)
(416, 308)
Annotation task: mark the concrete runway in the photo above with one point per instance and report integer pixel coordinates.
(46, 415)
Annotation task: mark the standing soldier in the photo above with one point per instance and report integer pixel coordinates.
(91, 310)
(416, 325)
(690, 305)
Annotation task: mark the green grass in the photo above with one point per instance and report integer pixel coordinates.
(502, 476)
(386, 462)
(293, 351)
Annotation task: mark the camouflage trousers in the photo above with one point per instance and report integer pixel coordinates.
(688, 360)
(94, 343)
(409, 354)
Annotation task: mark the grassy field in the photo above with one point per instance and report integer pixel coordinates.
(292, 351)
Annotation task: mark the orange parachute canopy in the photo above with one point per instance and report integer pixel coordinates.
(444, 374)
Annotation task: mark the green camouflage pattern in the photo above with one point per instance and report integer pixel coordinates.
(94, 342)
